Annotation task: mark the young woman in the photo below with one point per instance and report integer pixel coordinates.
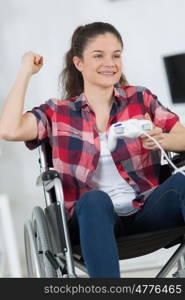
(107, 194)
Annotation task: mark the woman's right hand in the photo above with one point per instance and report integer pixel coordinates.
(32, 62)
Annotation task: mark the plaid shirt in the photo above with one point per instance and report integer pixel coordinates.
(70, 126)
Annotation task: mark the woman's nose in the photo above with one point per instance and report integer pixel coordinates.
(108, 61)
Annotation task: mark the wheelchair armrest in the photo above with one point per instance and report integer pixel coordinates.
(47, 176)
(179, 159)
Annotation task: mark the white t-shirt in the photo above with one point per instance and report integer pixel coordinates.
(108, 179)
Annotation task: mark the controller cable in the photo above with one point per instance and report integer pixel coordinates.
(163, 154)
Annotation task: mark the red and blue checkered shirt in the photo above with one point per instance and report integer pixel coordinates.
(70, 128)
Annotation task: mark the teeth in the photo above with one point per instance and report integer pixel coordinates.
(106, 73)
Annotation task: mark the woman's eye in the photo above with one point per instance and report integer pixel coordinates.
(98, 55)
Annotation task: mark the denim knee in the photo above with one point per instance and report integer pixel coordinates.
(93, 201)
(177, 182)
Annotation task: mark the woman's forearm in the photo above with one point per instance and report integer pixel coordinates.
(174, 141)
(12, 111)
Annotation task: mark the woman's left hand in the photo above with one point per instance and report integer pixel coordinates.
(156, 133)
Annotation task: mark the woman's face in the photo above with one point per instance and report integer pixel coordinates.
(101, 63)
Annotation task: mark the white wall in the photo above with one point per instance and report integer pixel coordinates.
(150, 29)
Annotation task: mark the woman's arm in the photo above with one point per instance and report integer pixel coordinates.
(172, 141)
(14, 125)
(175, 139)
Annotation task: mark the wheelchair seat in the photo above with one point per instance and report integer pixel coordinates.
(47, 242)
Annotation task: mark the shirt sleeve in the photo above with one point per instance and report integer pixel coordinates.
(161, 116)
(43, 115)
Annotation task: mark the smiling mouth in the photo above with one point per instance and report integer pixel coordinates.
(107, 73)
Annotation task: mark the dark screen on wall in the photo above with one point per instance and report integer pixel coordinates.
(175, 69)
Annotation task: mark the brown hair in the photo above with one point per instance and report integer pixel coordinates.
(70, 79)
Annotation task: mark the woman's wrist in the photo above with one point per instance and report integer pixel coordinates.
(25, 72)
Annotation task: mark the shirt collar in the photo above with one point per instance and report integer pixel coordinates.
(118, 95)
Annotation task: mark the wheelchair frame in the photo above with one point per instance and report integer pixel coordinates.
(47, 243)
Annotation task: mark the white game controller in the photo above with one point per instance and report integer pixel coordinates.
(132, 128)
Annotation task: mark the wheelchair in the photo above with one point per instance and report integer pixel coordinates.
(48, 248)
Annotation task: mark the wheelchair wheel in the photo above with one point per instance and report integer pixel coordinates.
(180, 272)
(37, 242)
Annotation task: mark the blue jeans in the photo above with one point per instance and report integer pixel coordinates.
(95, 224)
